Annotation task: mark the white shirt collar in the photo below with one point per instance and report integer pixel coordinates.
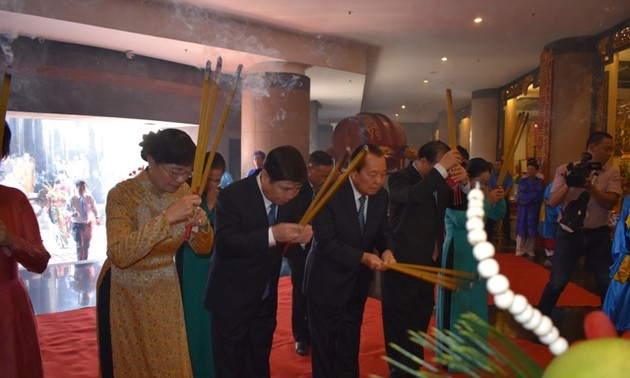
(265, 199)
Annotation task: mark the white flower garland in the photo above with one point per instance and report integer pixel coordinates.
(498, 285)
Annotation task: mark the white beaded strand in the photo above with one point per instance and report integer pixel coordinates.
(499, 285)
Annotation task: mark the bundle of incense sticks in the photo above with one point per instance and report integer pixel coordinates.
(447, 278)
(452, 139)
(521, 121)
(325, 186)
(4, 101)
(329, 188)
(201, 166)
(326, 195)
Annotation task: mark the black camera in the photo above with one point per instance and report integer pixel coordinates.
(578, 173)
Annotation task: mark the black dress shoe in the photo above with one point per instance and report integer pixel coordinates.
(301, 348)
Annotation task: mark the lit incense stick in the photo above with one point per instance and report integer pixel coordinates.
(442, 280)
(217, 136)
(200, 152)
(306, 217)
(452, 138)
(333, 189)
(325, 186)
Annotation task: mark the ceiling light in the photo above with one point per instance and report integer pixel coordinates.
(403, 106)
(478, 20)
(425, 81)
(396, 114)
(444, 59)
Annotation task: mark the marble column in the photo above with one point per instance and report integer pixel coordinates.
(484, 118)
(571, 101)
(275, 109)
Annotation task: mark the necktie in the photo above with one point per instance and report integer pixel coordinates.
(82, 208)
(362, 213)
(271, 217)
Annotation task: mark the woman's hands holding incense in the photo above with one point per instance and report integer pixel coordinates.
(185, 209)
(494, 195)
(292, 232)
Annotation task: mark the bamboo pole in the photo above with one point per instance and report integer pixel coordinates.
(333, 189)
(518, 139)
(4, 101)
(452, 137)
(509, 150)
(521, 121)
(222, 120)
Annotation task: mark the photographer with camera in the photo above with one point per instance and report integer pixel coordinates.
(587, 190)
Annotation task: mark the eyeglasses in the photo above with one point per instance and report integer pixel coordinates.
(177, 173)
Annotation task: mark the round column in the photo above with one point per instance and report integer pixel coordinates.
(484, 118)
(570, 101)
(275, 109)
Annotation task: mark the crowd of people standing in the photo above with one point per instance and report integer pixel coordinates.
(204, 304)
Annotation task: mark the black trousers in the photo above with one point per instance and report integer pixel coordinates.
(242, 349)
(407, 304)
(336, 337)
(296, 258)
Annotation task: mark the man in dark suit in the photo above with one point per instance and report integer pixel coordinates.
(254, 217)
(419, 195)
(348, 230)
(318, 168)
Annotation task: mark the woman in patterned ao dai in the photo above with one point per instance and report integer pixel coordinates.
(139, 300)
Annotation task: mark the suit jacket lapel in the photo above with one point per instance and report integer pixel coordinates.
(351, 204)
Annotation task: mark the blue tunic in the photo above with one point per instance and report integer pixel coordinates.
(617, 301)
(529, 199)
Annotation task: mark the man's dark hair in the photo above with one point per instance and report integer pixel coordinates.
(431, 150)
(260, 154)
(319, 157)
(533, 163)
(80, 183)
(597, 137)
(371, 149)
(285, 163)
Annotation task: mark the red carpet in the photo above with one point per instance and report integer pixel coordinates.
(69, 350)
(529, 279)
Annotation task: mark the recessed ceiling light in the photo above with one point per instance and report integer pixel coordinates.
(396, 114)
(444, 59)
(478, 20)
(425, 81)
(403, 106)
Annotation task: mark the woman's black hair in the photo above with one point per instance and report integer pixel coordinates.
(168, 146)
(477, 166)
